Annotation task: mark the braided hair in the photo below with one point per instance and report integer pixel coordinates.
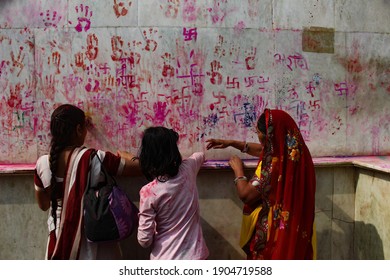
(63, 125)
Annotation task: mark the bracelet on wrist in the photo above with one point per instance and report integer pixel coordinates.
(246, 148)
(239, 178)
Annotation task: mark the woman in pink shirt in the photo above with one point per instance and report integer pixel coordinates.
(169, 219)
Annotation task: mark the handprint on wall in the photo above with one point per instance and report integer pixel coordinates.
(84, 20)
(50, 18)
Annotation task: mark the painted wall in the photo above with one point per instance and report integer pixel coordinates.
(206, 68)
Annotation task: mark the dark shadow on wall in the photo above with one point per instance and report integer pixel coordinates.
(218, 246)
(131, 250)
(339, 236)
(368, 244)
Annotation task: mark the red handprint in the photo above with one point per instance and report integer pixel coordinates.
(92, 47)
(116, 46)
(216, 77)
(168, 69)
(119, 8)
(79, 60)
(55, 59)
(151, 45)
(250, 59)
(17, 62)
(15, 99)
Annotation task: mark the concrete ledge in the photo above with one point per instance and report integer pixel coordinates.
(16, 169)
(377, 163)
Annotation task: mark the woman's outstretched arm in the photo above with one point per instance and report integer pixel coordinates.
(251, 148)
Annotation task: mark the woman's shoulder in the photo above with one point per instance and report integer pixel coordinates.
(42, 161)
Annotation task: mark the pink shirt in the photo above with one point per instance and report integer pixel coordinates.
(169, 219)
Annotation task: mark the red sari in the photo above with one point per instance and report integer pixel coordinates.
(287, 184)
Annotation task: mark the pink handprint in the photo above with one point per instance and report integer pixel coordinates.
(49, 86)
(84, 19)
(50, 19)
(172, 8)
(92, 88)
(160, 112)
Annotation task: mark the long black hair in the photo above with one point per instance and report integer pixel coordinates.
(160, 157)
(63, 125)
(261, 125)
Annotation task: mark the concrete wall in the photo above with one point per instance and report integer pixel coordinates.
(352, 214)
(372, 216)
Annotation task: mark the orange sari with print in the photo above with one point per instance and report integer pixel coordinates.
(284, 225)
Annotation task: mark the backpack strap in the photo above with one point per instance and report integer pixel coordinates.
(105, 172)
(87, 187)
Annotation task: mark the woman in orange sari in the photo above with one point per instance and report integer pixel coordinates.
(279, 200)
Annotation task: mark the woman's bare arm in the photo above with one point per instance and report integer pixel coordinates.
(251, 148)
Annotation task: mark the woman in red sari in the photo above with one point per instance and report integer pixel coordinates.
(279, 200)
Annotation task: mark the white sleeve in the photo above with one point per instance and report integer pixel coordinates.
(42, 169)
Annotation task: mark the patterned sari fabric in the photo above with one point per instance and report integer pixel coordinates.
(66, 238)
(67, 243)
(284, 225)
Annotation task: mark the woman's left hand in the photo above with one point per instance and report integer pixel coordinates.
(236, 164)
